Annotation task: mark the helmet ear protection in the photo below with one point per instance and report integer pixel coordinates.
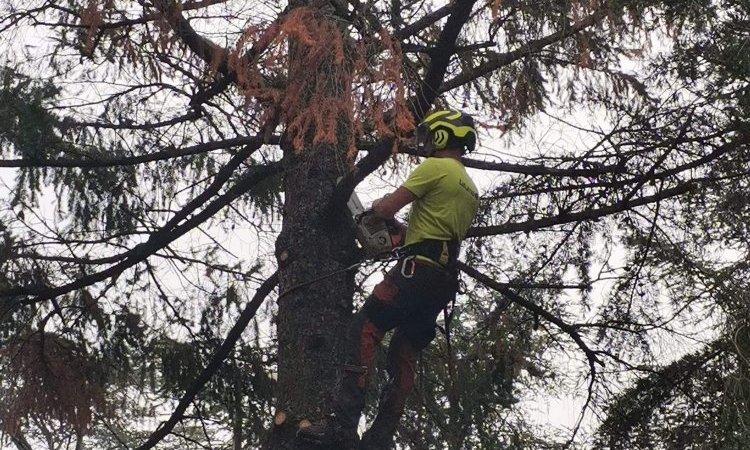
(440, 138)
(447, 129)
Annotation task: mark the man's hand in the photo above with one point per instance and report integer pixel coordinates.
(388, 206)
(397, 230)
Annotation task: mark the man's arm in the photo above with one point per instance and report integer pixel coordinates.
(388, 206)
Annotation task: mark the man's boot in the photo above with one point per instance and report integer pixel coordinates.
(331, 433)
(381, 432)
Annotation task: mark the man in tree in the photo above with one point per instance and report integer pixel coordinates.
(416, 290)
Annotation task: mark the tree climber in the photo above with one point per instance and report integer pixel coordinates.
(415, 291)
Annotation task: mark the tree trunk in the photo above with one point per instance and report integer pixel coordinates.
(311, 318)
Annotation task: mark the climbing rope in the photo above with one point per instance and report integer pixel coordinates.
(394, 255)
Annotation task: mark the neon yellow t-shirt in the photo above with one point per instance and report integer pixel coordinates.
(446, 203)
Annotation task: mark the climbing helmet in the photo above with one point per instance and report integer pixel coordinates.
(447, 128)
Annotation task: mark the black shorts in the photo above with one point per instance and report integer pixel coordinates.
(412, 299)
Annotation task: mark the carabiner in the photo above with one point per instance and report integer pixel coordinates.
(411, 270)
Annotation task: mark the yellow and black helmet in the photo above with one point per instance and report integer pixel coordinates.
(447, 128)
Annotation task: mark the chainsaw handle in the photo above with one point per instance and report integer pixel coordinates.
(368, 212)
(397, 230)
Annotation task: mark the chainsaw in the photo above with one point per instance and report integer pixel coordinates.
(377, 237)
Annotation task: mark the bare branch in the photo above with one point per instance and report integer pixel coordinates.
(570, 330)
(591, 214)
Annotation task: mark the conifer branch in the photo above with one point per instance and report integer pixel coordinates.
(122, 23)
(215, 364)
(211, 53)
(220, 179)
(193, 114)
(443, 52)
(20, 441)
(503, 289)
(497, 60)
(427, 92)
(205, 49)
(596, 169)
(423, 22)
(103, 161)
(538, 169)
(158, 239)
(591, 355)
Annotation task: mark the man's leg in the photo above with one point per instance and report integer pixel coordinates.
(364, 337)
(423, 297)
(402, 360)
(367, 329)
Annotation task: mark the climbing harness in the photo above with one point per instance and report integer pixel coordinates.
(434, 250)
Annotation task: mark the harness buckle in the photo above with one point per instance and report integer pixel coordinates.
(398, 252)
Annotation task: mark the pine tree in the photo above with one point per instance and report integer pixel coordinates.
(177, 172)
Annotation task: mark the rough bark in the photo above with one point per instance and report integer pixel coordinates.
(311, 318)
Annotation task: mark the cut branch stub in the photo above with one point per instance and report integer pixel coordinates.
(279, 418)
(304, 424)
